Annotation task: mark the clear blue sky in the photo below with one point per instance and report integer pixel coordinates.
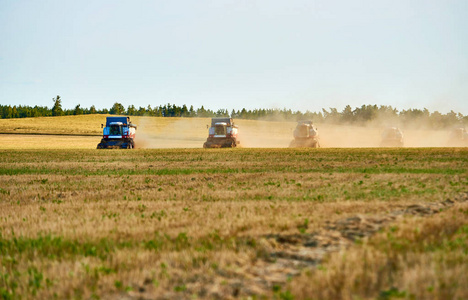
(303, 55)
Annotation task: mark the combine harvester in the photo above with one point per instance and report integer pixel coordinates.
(222, 134)
(305, 135)
(119, 133)
(392, 137)
(458, 137)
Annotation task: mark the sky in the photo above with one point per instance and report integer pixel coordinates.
(234, 54)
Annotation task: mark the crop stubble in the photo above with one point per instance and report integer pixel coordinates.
(178, 223)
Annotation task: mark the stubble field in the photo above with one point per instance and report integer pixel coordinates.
(233, 223)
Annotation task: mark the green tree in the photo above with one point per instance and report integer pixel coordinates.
(149, 110)
(57, 108)
(78, 110)
(117, 109)
(7, 112)
(131, 110)
(333, 116)
(201, 112)
(347, 114)
(92, 109)
(141, 111)
(184, 112)
(15, 112)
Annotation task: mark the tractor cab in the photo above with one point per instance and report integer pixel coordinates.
(114, 130)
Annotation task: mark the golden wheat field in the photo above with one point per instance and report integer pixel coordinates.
(168, 221)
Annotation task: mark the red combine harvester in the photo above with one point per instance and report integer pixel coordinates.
(222, 134)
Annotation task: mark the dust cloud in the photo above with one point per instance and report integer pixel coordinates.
(268, 134)
(192, 133)
(371, 136)
(172, 133)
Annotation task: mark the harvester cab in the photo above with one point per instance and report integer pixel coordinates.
(119, 133)
(222, 133)
(305, 135)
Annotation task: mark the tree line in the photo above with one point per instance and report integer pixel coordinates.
(364, 115)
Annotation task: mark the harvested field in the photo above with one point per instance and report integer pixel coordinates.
(230, 223)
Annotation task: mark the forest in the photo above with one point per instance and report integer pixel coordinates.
(358, 116)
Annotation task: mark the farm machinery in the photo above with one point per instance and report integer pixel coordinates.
(392, 137)
(222, 133)
(119, 133)
(305, 135)
(458, 137)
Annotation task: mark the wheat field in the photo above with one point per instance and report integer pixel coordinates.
(363, 223)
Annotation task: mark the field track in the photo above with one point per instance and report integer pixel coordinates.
(227, 223)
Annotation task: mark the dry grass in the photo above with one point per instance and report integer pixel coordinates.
(74, 125)
(184, 223)
(27, 141)
(415, 259)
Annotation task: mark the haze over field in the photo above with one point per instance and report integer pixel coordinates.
(263, 134)
(154, 132)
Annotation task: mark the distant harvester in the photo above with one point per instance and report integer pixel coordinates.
(392, 137)
(305, 135)
(458, 137)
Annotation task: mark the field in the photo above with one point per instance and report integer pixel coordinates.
(157, 133)
(362, 223)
